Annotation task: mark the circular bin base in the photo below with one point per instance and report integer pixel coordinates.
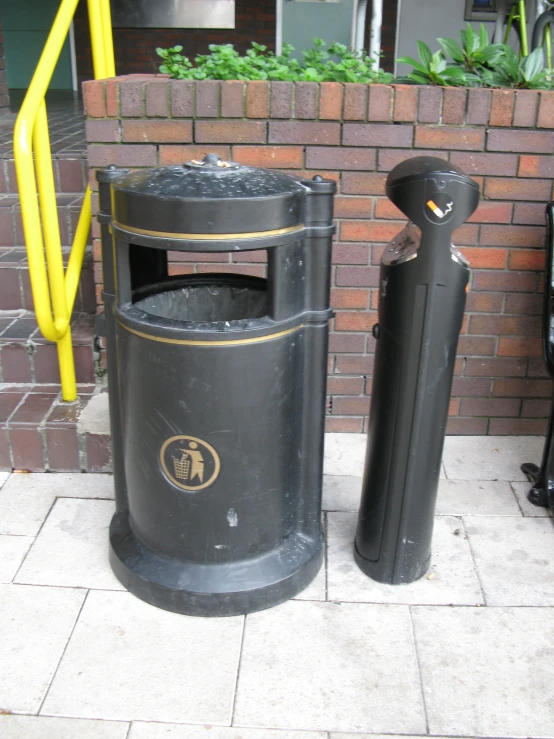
(213, 589)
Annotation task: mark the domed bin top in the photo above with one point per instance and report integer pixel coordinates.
(208, 198)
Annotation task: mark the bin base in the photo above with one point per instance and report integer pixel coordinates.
(195, 589)
(378, 572)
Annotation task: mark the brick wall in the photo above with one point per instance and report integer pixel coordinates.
(355, 135)
(4, 93)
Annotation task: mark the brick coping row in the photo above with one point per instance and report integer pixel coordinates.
(156, 96)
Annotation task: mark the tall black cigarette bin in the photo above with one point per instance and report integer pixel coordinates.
(542, 492)
(423, 283)
(217, 383)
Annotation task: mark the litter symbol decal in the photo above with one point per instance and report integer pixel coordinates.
(189, 463)
(439, 208)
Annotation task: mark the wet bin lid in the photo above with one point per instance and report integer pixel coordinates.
(422, 168)
(210, 196)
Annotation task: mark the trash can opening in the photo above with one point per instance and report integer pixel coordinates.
(205, 299)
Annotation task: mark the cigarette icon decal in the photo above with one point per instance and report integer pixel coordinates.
(437, 211)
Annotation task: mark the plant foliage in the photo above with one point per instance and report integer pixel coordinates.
(321, 63)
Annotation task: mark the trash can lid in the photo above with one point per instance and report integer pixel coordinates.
(205, 197)
(422, 168)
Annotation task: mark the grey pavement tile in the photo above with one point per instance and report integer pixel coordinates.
(528, 509)
(344, 454)
(35, 624)
(45, 727)
(72, 547)
(12, 551)
(325, 666)
(3, 477)
(514, 559)
(476, 498)
(451, 578)
(316, 590)
(487, 671)
(341, 492)
(490, 457)
(140, 730)
(127, 660)
(334, 735)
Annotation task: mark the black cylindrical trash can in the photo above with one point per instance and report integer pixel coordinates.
(422, 291)
(217, 383)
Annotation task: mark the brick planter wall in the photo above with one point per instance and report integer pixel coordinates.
(4, 92)
(356, 134)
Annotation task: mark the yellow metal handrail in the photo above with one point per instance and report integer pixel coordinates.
(54, 290)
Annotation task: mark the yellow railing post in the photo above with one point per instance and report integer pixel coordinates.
(53, 290)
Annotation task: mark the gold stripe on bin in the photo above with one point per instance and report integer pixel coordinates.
(209, 237)
(207, 342)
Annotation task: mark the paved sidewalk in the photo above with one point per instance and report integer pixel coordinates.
(465, 652)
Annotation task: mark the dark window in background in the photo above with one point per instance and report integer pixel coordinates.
(480, 10)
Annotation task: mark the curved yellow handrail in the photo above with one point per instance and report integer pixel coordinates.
(53, 289)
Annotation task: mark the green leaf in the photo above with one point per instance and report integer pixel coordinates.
(452, 48)
(532, 65)
(412, 62)
(483, 36)
(425, 54)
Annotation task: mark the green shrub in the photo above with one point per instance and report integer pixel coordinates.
(322, 63)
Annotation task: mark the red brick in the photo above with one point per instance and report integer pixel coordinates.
(348, 343)
(467, 426)
(504, 281)
(357, 183)
(530, 236)
(429, 107)
(466, 235)
(198, 256)
(153, 132)
(207, 98)
(354, 364)
(442, 137)
(522, 388)
(343, 425)
(275, 157)
(334, 157)
(490, 211)
(476, 346)
(352, 207)
(478, 302)
(377, 134)
(529, 213)
(344, 386)
(525, 112)
(380, 103)
(131, 94)
(368, 231)
(112, 98)
(330, 101)
(536, 166)
(232, 99)
(493, 164)
(281, 99)
(357, 276)
(535, 408)
(389, 158)
(71, 173)
(306, 100)
(257, 99)
(122, 155)
(99, 452)
(454, 105)
(179, 269)
(499, 188)
(236, 269)
(304, 132)
(94, 101)
(502, 325)
(477, 387)
(355, 102)
(182, 154)
(527, 260)
(157, 98)
(230, 132)
(405, 103)
(490, 407)
(546, 110)
(344, 406)
(478, 107)
(502, 108)
(355, 321)
(536, 367)
(385, 209)
(15, 363)
(482, 367)
(62, 449)
(534, 142)
(519, 347)
(102, 131)
(349, 299)
(182, 98)
(26, 444)
(524, 303)
(258, 255)
(517, 426)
